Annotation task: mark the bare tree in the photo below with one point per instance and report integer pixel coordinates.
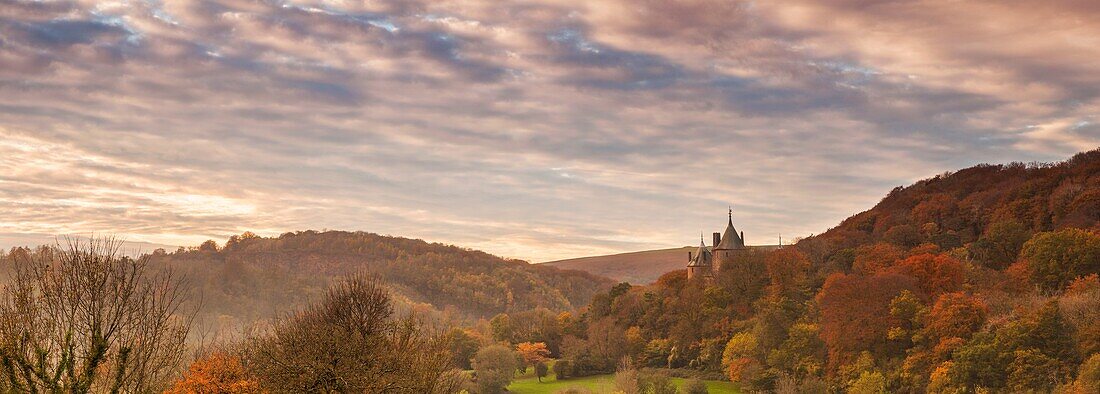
(350, 343)
(84, 318)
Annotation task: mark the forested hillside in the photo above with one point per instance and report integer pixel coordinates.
(252, 278)
(956, 209)
(982, 280)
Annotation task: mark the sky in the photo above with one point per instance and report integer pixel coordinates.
(535, 129)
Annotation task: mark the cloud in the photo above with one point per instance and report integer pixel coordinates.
(540, 130)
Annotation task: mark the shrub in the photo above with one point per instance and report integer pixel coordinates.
(350, 342)
(695, 386)
(494, 367)
(563, 369)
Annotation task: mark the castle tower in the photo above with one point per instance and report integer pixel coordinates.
(729, 245)
(700, 263)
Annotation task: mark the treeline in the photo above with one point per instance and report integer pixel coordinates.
(984, 280)
(252, 278)
(967, 207)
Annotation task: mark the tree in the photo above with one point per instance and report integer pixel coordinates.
(855, 313)
(1032, 371)
(208, 246)
(349, 341)
(1027, 354)
(802, 354)
(871, 258)
(786, 272)
(741, 346)
(868, 382)
(462, 346)
(1088, 376)
(905, 236)
(532, 353)
(494, 366)
(956, 315)
(84, 318)
(1000, 245)
(541, 370)
(217, 372)
(502, 328)
(936, 274)
(626, 379)
(562, 369)
(1050, 333)
(1056, 258)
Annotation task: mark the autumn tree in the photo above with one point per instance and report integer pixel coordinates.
(532, 353)
(494, 367)
(1056, 258)
(501, 328)
(855, 312)
(871, 258)
(935, 274)
(956, 315)
(1025, 355)
(461, 346)
(905, 236)
(1088, 376)
(999, 246)
(350, 341)
(209, 246)
(84, 318)
(802, 354)
(218, 372)
(741, 353)
(786, 269)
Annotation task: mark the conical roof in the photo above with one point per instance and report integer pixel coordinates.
(730, 238)
(702, 256)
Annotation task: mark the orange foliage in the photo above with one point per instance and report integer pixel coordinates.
(1083, 284)
(739, 368)
(936, 274)
(786, 270)
(935, 209)
(216, 373)
(533, 353)
(1019, 277)
(871, 258)
(956, 315)
(946, 346)
(923, 248)
(855, 313)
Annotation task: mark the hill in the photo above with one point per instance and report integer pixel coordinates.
(980, 280)
(949, 210)
(958, 209)
(634, 267)
(254, 278)
(642, 267)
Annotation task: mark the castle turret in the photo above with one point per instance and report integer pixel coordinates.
(701, 263)
(730, 245)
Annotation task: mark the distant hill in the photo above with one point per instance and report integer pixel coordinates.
(254, 278)
(635, 267)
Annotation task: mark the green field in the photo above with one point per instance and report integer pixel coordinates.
(528, 384)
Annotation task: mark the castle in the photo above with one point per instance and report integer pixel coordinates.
(705, 261)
